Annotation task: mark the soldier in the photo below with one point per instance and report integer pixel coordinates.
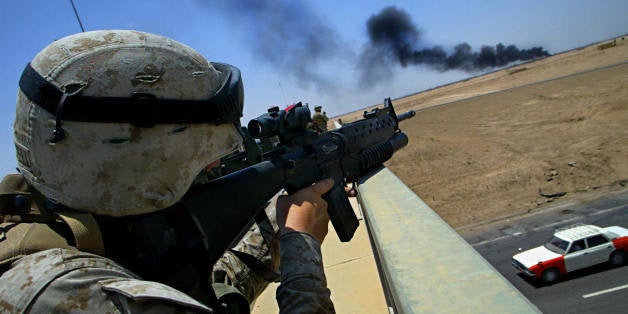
(319, 120)
(111, 129)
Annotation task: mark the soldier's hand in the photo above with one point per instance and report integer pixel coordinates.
(305, 210)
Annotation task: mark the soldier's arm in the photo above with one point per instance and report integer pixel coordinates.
(303, 286)
(303, 220)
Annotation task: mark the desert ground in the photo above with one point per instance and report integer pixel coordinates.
(494, 146)
(511, 141)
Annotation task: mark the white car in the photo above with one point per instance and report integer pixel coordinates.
(574, 248)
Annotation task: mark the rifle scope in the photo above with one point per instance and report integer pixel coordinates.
(280, 122)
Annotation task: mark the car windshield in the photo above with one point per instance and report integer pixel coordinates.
(557, 245)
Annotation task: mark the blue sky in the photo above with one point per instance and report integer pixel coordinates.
(291, 51)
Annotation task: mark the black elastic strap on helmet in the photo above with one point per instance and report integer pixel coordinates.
(58, 134)
(141, 109)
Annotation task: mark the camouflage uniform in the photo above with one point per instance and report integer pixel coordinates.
(303, 286)
(65, 280)
(259, 247)
(42, 270)
(75, 254)
(319, 120)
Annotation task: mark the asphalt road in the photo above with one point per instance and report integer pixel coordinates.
(599, 289)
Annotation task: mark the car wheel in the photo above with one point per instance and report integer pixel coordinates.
(617, 258)
(550, 276)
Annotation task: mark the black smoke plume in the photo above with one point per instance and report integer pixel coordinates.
(394, 39)
(287, 35)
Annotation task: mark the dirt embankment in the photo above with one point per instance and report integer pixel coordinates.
(505, 139)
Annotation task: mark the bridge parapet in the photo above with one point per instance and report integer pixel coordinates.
(424, 265)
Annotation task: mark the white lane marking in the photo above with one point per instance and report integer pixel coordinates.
(556, 223)
(600, 212)
(604, 291)
(546, 226)
(492, 240)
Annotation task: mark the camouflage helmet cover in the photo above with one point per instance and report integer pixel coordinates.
(118, 167)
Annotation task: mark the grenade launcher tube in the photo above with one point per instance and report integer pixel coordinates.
(373, 157)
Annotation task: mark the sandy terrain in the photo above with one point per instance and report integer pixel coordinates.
(558, 125)
(481, 149)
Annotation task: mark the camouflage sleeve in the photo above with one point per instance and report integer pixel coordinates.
(70, 281)
(260, 243)
(303, 286)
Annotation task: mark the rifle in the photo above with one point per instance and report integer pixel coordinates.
(301, 158)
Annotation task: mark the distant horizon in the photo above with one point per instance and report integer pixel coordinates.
(485, 73)
(344, 56)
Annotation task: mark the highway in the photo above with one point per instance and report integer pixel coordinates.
(599, 289)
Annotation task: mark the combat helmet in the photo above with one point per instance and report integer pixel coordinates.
(120, 122)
